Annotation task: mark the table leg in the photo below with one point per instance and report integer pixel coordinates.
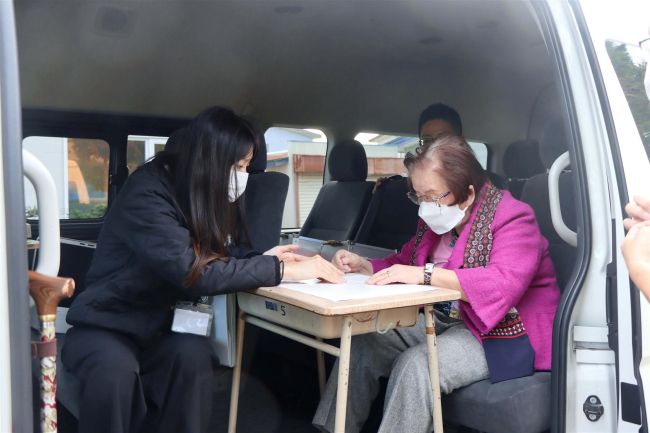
(433, 368)
(236, 374)
(320, 363)
(344, 370)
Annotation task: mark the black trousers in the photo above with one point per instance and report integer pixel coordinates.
(166, 386)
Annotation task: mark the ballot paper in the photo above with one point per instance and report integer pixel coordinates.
(354, 287)
(309, 281)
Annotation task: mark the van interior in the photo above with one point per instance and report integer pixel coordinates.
(112, 71)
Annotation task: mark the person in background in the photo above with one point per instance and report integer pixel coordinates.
(434, 120)
(172, 234)
(471, 237)
(438, 119)
(636, 246)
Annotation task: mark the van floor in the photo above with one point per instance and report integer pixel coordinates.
(278, 392)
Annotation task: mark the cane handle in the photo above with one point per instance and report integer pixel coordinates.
(49, 291)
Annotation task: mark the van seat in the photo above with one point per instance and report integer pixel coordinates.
(391, 219)
(521, 161)
(523, 405)
(341, 203)
(520, 405)
(264, 198)
(535, 193)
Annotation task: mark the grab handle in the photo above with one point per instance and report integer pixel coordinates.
(565, 233)
(49, 255)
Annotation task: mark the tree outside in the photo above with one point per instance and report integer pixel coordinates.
(630, 75)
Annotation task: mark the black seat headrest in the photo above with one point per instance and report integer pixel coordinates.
(258, 163)
(521, 160)
(347, 162)
(553, 143)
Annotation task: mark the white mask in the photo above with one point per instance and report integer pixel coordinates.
(441, 219)
(237, 184)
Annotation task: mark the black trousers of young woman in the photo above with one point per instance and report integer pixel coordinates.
(165, 386)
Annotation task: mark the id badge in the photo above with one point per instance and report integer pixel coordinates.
(191, 318)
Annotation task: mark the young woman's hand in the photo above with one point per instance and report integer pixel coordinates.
(312, 267)
(638, 211)
(350, 262)
(398, 274)
(286, 253)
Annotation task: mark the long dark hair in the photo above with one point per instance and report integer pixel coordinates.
(199, 166)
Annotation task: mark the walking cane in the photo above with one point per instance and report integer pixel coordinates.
(47, 293)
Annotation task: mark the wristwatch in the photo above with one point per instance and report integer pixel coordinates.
(428, 270)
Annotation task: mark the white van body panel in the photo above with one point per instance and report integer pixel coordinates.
(5, 364)
(598, 376)
(636, 172)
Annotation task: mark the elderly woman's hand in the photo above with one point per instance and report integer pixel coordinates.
(398, 274)
(638, 210)
(350, 262)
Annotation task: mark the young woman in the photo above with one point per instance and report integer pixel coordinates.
(474, 238)
(173, 234)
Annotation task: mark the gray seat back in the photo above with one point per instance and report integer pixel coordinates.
(391, 219)
(341, 203)
(521, 161)
(535, 193)
(264, 199)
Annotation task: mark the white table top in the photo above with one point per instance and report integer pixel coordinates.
(328, 307)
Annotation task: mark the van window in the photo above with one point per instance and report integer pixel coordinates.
(300, 154)
(386, 152)
(630, 66)
(140, 148)
(79, 167)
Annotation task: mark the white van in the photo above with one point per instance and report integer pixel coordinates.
(550, 93)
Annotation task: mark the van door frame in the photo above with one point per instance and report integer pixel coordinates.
(631, 401)
(15, 235)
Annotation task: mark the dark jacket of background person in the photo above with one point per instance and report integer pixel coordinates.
(143, 255)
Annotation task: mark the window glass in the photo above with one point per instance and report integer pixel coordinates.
(79, 167)
(140, 148)
(630, 66)
(386, 152)
(300, 154)
(481, 152)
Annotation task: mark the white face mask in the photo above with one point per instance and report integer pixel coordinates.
(237, 184)
(441, 219)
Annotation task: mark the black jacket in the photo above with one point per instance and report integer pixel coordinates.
(144, 253)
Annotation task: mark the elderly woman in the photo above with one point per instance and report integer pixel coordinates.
(473, 238)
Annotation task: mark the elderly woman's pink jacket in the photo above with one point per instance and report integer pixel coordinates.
(520, 274)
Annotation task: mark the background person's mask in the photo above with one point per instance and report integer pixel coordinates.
(441, 219)
(237, 184)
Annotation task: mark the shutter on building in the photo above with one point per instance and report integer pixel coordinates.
(308, 187)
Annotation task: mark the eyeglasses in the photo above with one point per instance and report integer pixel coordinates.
(426, 199)
(426, 141)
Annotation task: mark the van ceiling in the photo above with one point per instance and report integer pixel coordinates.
(344, 66)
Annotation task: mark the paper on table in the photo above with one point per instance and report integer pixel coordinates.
(349, 278)
(355, 288)
(309, 281)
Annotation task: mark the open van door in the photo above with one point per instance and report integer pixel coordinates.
(619, 66)
(15, 362)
